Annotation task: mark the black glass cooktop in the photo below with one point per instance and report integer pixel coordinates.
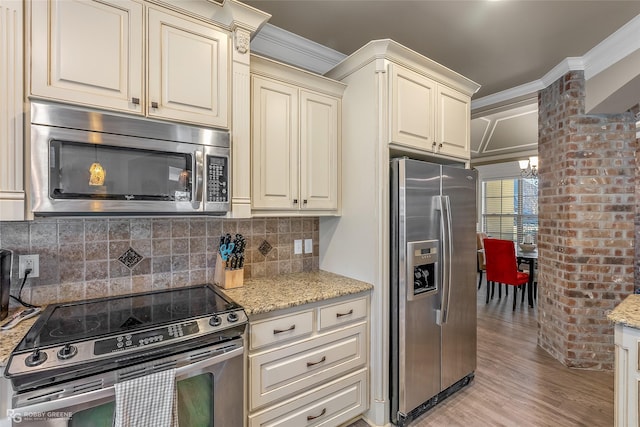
(78, 321)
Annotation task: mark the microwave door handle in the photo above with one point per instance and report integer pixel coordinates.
(198, 167)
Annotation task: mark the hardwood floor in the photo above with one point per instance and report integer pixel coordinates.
(519, 384)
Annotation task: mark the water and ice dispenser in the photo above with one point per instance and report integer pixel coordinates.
(422, 268)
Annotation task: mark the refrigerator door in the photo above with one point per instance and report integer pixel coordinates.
(459, 330)
(415, 335)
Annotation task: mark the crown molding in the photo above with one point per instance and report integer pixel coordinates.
(617, 46)
(284, 46)
(614, 48)
(279, 44)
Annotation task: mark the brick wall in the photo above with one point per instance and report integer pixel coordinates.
(586, 219)
(79, 258)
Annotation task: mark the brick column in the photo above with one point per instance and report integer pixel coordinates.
(586, 223)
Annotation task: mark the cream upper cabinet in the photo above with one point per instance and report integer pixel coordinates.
(12, 194)
(93, 53)
(412, 108)
(88, 52)
(275, 143)
(454, 123)
(187, 70)
(319, 117)
(427, 115)
(295, 140)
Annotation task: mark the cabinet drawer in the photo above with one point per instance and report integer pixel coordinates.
(281, 329)
(342, 313)
(288, 370)
(329, 405)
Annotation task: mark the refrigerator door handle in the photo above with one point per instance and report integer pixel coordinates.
(447, 256)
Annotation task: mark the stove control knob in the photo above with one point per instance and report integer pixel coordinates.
(232, 317)
(215, 321)
(67, 352)
(36, 358)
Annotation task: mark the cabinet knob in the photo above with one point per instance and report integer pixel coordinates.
(295, 201)
(304, 202)
(154, 105)
(440, 145)
(135, 101)
(433, 144)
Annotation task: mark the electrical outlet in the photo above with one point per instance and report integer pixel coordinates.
(29, 261)
(297, 246)
(308, 246)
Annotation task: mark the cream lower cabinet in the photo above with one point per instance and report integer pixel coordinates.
(309, 366)
(627, 376)
(97, 53)
(12, 194)
(427, 115)
(295, 140)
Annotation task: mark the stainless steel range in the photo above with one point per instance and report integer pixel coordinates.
(70, 359)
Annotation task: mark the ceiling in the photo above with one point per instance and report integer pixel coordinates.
(498, 44)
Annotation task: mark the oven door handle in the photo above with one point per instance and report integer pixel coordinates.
(198, 167)
(110, 391)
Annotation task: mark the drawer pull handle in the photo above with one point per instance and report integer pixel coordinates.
(313, 417)
(135, 101)
(339, 315)
(279, 331)
(310, 364)
(154, 104)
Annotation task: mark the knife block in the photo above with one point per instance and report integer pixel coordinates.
(227, 278)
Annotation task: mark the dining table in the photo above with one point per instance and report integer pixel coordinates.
(530, 258)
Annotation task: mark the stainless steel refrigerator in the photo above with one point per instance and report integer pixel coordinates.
(433, 293)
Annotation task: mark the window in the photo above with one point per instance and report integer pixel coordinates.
(510, 208)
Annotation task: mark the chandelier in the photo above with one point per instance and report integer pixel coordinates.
(529, 167)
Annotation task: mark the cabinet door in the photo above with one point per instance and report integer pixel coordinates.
(88, 52)
(454, 118)
(411, 108)
(319, 136)
(275, 144)
(187, 70)
(11, 111)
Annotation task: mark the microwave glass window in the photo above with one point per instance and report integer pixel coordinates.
(95, 171)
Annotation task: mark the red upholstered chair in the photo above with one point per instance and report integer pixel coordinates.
(502, 267)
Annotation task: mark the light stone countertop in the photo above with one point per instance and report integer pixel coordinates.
(627, 312)
(259, 296)
(10, 338)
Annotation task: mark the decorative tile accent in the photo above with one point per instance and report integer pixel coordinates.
(265, 248)
(130, 258)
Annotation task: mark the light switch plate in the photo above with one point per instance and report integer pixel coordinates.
(308, 246)
(297, 246)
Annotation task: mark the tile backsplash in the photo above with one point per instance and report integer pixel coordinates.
(91, 258)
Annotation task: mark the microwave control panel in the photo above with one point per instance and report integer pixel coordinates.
(217, 179)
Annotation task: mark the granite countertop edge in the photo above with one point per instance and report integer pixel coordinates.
(259, 296)
(627, 312)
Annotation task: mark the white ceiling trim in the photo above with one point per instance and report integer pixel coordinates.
(274, 42)
(282, 45)
(617, 46)
(484, 139)
(606, 53)
(485, 144)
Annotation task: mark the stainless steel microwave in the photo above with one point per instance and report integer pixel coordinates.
(91, 162)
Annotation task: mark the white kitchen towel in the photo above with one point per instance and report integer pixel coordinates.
(150, 400)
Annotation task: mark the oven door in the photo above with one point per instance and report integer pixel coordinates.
(209, 383)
